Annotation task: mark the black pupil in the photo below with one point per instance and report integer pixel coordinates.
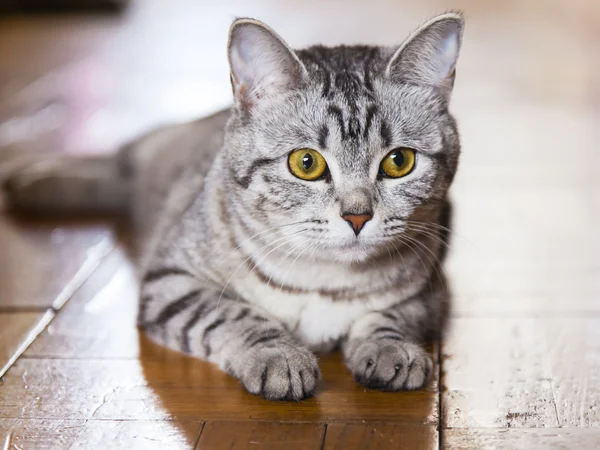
(398, 158)
(307, 161)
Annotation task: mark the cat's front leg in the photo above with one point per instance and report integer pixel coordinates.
(243, 339)
(384, 350)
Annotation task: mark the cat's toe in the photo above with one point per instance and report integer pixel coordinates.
(282, 373)
(390, 365)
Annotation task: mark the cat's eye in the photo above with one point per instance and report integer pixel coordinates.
(398, 163)
(307, 164)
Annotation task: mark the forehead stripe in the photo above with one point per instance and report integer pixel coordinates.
(386, 134)
(337, 114)
(323, 134)
(371, 111)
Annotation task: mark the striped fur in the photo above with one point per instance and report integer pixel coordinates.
(249, 267)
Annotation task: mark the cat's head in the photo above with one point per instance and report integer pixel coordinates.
(340, 148)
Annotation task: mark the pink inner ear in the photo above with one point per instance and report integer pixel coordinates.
(448, 53)
(261, 63)
(429, 56)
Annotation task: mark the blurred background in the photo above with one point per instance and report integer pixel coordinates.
(527, 98)
(525, 259)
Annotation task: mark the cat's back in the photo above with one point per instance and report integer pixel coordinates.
(169, 167)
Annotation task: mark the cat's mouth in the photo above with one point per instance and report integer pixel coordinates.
(356, 249)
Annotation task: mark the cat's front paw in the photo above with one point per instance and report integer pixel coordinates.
(389, 365)
(285, 372)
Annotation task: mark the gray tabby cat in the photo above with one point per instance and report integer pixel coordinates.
(311, 216)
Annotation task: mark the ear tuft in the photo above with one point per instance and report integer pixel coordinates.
(430, 54)
(261, 63)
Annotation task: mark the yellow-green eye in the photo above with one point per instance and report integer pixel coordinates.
(307, 164)
(398, 163)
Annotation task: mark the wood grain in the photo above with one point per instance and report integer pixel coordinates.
(537, 373)
(44, 263)
(573, 347)
(17, 331)
(148, 381)
(42, 434)
(522, 438)
(267, 435)
(513, 253)
(163, 385)
(380, 436)
(138, 435)
(513, 388)
(99, 321)
(39, 434)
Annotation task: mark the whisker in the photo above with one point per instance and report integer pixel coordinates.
(441, 227)
(273, 232)
(399, 253)
(434, 261)
(274, 229)
(289, 268)
(431, 234)
(401, 239)
(433, 224)
(256, 263)
(247, 259)
(316, 247)
(392, 260)
(284, 257)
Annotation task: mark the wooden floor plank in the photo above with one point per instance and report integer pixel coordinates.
(380, 436)
(525, 372)
(42, 434)
(148, 381)
(522, 438)
(244, 435)
(44, 263)
(513, 255)
(573, 347)
(512, 388)
(100, 319)
(17, 331)
(39, 434)
(163, 384)
(138, 435)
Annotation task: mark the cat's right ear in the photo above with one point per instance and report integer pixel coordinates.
(262, 64)
(430, 54)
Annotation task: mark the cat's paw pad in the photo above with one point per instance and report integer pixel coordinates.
(390, 365)
(285, 372)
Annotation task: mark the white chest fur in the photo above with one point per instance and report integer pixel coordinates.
(316, 320)
(308, 302)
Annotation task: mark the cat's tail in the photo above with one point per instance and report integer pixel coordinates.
(69, 185)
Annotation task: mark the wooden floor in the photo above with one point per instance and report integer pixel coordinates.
(520, 367)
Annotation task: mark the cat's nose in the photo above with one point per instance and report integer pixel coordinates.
(357, 221)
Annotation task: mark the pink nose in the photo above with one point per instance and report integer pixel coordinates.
(357, 221)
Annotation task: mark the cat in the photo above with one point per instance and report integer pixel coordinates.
(310, 216)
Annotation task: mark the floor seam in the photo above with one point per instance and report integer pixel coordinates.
(33, 334)
(80, 277)
(195, 446)
(87, 269)
(322, 446)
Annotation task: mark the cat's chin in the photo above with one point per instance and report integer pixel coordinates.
(353, 257)
(353, 253)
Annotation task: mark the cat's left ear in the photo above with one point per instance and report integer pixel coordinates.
(429, 55)
(262, 64)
